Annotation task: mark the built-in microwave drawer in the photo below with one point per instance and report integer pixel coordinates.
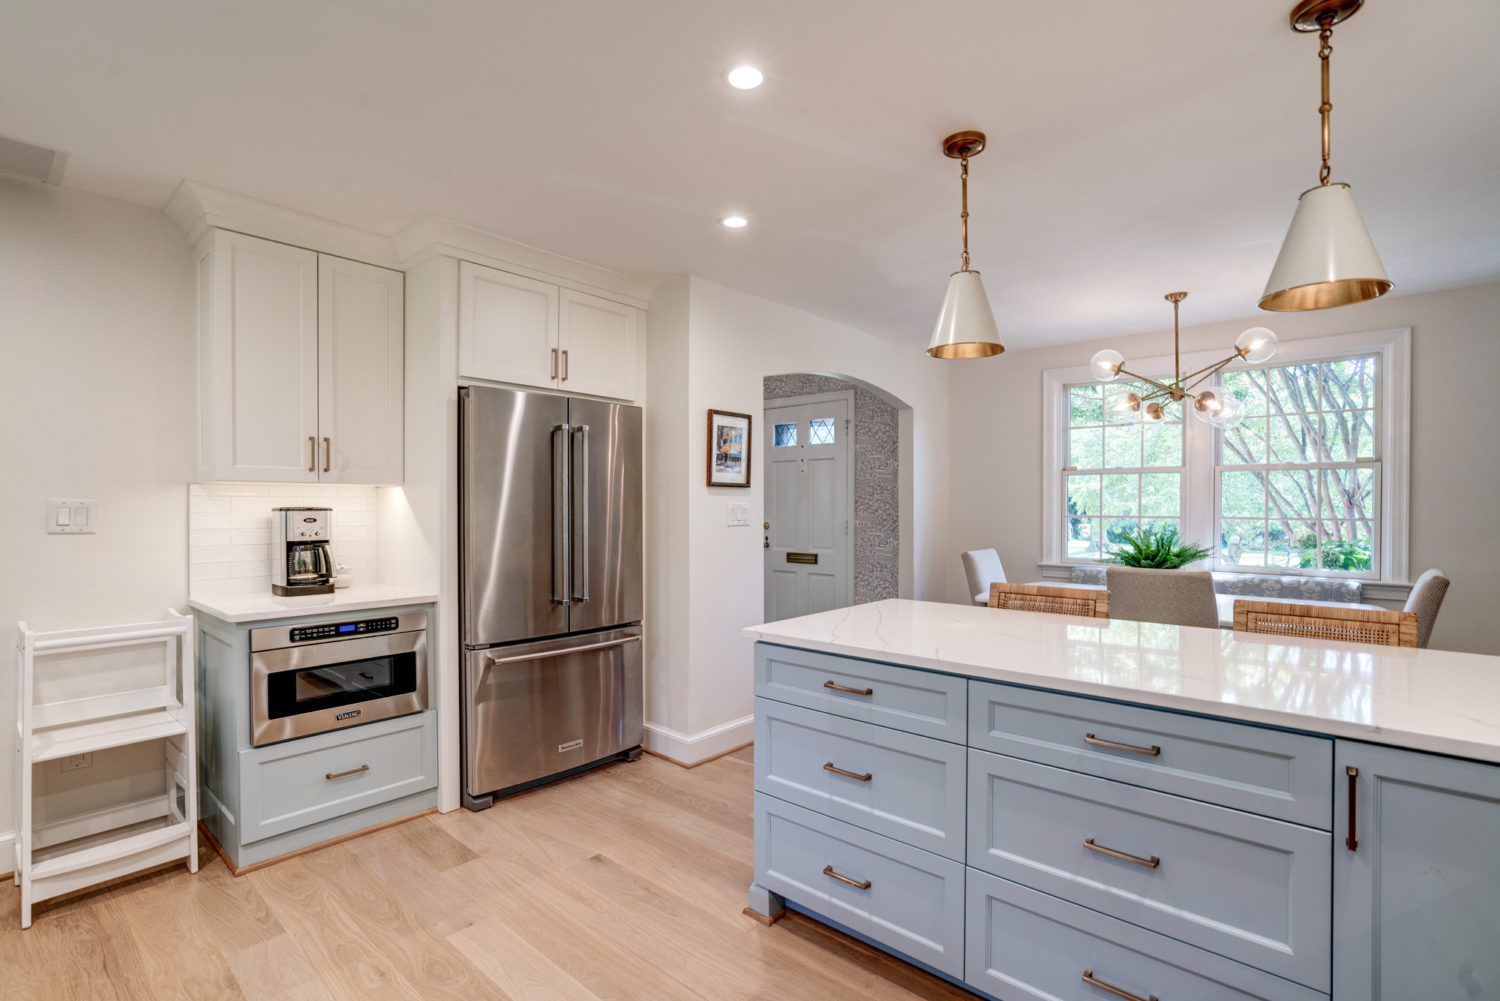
(299, 782)
(1251, 888)
(908, 900)
(904, 698)
(1028, 946)
(898, 784)
(1271, 772)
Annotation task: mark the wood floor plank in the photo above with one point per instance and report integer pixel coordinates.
(515, 965)
(277, 970)
(165, 920)
(408, 859)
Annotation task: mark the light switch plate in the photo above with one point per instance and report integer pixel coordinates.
(72, 517)
(738, 514)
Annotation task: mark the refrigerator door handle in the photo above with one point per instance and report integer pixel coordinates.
(564, 652)
(580, 592)
(561, 514)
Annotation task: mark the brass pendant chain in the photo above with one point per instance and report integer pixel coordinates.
(964, 216)
(1325, 49)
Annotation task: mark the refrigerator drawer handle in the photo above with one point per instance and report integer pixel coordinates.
(497, 661)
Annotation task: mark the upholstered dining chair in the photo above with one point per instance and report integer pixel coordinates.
(982, 568)
(1424, 601)
(1088, 601)
(1175, 597)
(1326, 622)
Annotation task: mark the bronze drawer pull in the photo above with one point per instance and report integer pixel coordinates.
(330, 776)
(851, 691)
(1093, 981)
(828, 871)
(831, 767)
(1149, 863)
(1352, 842)
(1151, 752)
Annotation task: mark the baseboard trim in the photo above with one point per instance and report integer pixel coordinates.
(694, 749)
(8, 853)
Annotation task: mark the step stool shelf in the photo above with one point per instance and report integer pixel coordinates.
(118, 731)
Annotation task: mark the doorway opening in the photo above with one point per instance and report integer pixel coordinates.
(833, 490)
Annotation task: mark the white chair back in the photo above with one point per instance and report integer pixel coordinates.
(982, 568)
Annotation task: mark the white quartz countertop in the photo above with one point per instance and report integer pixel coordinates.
(1429, 700)
(354, 598)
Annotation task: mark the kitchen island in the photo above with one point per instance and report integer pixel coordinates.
(1047, 806)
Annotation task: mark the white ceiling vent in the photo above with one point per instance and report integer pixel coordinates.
(34, 162)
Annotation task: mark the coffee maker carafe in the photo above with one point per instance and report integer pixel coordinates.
(300, 563)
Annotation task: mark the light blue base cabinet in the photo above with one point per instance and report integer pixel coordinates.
(1416, 910)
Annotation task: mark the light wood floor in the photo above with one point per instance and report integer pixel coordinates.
(623, 884)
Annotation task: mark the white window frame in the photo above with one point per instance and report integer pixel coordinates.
(1199, 454)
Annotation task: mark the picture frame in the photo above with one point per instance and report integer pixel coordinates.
(728, 449)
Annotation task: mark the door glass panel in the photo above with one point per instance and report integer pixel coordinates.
(820, 431)
(786, 435)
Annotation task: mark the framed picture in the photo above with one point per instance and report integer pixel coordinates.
(728, 449)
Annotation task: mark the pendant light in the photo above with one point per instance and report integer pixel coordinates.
(966, 325)
(1328, 258)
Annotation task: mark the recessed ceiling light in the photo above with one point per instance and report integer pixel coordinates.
(745, 77)
(736, 221)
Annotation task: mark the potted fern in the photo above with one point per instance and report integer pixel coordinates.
(1155, 550)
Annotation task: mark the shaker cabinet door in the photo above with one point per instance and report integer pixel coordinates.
(598, 342)
(1416, 901)
(360, 372)
(507, 327)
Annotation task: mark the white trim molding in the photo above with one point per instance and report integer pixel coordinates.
(690, 749)
(8, 852)
(1394, 392)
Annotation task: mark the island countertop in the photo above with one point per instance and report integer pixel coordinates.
(1428, 700)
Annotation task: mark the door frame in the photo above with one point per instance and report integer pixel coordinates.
(847, 395)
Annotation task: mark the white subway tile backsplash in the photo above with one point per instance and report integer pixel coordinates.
(252, 568)
(208, 571)
(200, 538)
(230, 489)
(250, 536)
(210, 554)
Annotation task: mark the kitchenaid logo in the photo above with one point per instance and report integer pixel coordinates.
(571, 745)
(355, 712)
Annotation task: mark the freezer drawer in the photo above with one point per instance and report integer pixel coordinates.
(534, 710)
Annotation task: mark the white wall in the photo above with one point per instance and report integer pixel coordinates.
(707, 585)
(1455, 442)
(97, 391)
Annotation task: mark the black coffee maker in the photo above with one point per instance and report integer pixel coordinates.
(300, 563)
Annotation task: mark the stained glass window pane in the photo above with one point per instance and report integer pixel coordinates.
(820, 431)
(786, 435)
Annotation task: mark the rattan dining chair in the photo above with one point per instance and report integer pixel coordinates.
(1086, 601)
(1326, 622)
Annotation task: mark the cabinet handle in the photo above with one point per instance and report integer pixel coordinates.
(831, 767)
(1151, 752)
(327, 453)
(554, 363)
(330, 776)
(1093, 981)
(828, 871)
(312, 454)
(1351, 842)
(851, 691)
(565, 365)
(1149, 863)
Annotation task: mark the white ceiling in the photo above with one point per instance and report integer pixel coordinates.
(1135, 148)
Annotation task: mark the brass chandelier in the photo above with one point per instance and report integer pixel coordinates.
(1219, 410)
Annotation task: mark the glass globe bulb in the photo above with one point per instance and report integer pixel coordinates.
(1229, 413)
(1106, 364)
(1256, 345)
(1154, 412)
(1121, 405)
(1207, 404)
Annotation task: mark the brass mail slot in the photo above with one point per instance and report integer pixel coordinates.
(811, 558)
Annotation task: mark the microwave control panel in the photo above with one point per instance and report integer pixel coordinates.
(337, 630)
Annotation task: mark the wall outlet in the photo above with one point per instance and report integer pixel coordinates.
(738, 514)
(72, 517)
(77, 761)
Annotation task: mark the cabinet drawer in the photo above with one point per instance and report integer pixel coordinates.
(933, 705)
(1027, 945)
(1247, 887)
(908, 900)
(1270, 772)
(904, 786)
(286, 786)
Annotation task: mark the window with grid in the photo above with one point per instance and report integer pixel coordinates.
(1298, 482)
(1121, 473)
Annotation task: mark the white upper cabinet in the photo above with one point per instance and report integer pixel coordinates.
(300, 365)
(598, 345)
(532, 333)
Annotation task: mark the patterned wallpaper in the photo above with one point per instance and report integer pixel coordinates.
(877, 525)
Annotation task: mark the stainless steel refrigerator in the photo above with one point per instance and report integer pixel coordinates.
(550, 550)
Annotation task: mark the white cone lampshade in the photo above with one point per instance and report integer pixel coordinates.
(966, 326)
(1328, 258)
